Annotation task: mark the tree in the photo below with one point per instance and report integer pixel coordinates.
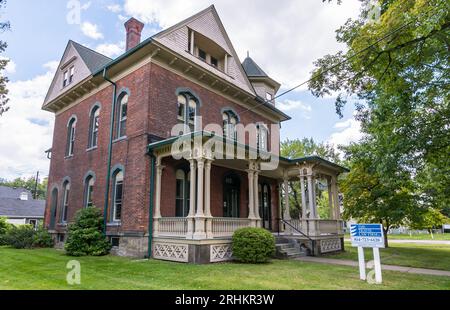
(397, 70)
(430, 219)
(302, 148)
(4, 25)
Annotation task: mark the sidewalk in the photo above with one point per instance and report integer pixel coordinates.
(369, 265)
(444, 242)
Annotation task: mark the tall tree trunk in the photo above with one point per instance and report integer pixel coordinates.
(385, 231)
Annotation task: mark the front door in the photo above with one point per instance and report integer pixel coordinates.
(231, 199)
(264, 206)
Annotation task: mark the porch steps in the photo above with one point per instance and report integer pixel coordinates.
(289, 250)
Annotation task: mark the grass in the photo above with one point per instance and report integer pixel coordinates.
(437, 237)
(432, 256)
(46, 269)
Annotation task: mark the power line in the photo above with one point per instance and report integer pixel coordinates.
(338, 64)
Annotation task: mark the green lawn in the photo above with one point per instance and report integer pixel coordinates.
(46, 269)
(437, 237)
(433, 256)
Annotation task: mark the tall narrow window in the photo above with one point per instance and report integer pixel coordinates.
(117, 196)
(71, 73)
(263, 134)
(66, 78)
(122, 116)
(89, 191)
(230, 120)
(93, 127)
(71, 136)
(188, 110)
(65, 204)
(182, 194)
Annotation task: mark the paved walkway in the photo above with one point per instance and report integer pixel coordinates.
(445, 242)
(369, 265)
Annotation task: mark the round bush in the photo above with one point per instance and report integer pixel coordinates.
(21, 237)
(85, 236)
(253, 245)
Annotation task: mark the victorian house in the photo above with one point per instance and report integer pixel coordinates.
(115, 148)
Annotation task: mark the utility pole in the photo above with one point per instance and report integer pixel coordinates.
(35, 185)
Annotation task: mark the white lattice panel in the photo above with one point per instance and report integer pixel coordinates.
(330, 245)
(220, 253)
(172, 252)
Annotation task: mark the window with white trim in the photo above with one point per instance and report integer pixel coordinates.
(89, 191)
(263, 134)
(117, 196)
(122, 116)
(230, 120)
(182, 193)
(188, 110)
(65, 204)
(71, 128)
(93, 127)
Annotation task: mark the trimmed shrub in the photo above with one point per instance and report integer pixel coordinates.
(253, 245)
(21, 237)
(42, 239)
(85, 236)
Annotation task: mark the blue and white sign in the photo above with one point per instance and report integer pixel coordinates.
(367, 235)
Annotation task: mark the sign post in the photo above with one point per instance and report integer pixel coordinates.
(368, 236)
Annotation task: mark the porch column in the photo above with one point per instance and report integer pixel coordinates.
(287, 213)
(251, 203)
(256, 198)
(157, 212)
(330, 200)
(335, 190)
(302, 189)
(311, 196)
(192, 200)
(200, 216)
(209, 233)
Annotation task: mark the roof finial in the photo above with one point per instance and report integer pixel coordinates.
(248, 54)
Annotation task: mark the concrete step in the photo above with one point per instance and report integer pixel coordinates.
(289, 251)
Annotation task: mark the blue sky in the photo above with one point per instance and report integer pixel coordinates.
(284, 37)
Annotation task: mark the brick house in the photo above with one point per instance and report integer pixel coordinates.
(115, 147)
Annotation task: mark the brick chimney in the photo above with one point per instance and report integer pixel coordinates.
(134, 29)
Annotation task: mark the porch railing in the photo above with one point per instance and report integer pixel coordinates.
(173, 226)
(225, 227)
(317, 227)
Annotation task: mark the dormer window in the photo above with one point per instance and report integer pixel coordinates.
(202, 54)
(68, 76)
(208, 51)
(214, 62)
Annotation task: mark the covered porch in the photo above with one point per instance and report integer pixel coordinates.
(201, 200)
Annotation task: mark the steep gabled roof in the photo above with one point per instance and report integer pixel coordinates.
(93, 60)
(252, 69)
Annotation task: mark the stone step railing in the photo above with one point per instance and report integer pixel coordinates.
(173, 227)
(225, 227)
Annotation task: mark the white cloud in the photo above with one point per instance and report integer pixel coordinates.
(111, 50)
(115, 8)
(283, 38)
(86, 6)
(347, 132)
(290, 105)
(91, 30)
(25, 130)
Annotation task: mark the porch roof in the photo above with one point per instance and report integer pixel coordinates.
(286, 161)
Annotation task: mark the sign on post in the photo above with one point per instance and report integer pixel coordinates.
(368, 236)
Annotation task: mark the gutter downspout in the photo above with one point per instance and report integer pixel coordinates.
(151, 204)
(108, 168)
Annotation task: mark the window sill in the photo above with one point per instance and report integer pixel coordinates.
(92, 149)
(68, 157)
(114, 224)
(62, 224)
(120, 139)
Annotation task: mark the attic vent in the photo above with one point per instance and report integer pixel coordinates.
(23, 196)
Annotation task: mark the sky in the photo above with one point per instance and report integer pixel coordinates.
(284, 37)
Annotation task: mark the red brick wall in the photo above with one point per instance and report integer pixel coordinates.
(152, 109)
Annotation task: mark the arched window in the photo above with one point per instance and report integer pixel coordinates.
(230, 120)
(71, 127)
(122, 110)
(89, 191)
(231, 196)
(188, 110)
(117, 196)
(93, 127)
(263, 134)
(53, 208)
(182, 193)
(65, 202)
